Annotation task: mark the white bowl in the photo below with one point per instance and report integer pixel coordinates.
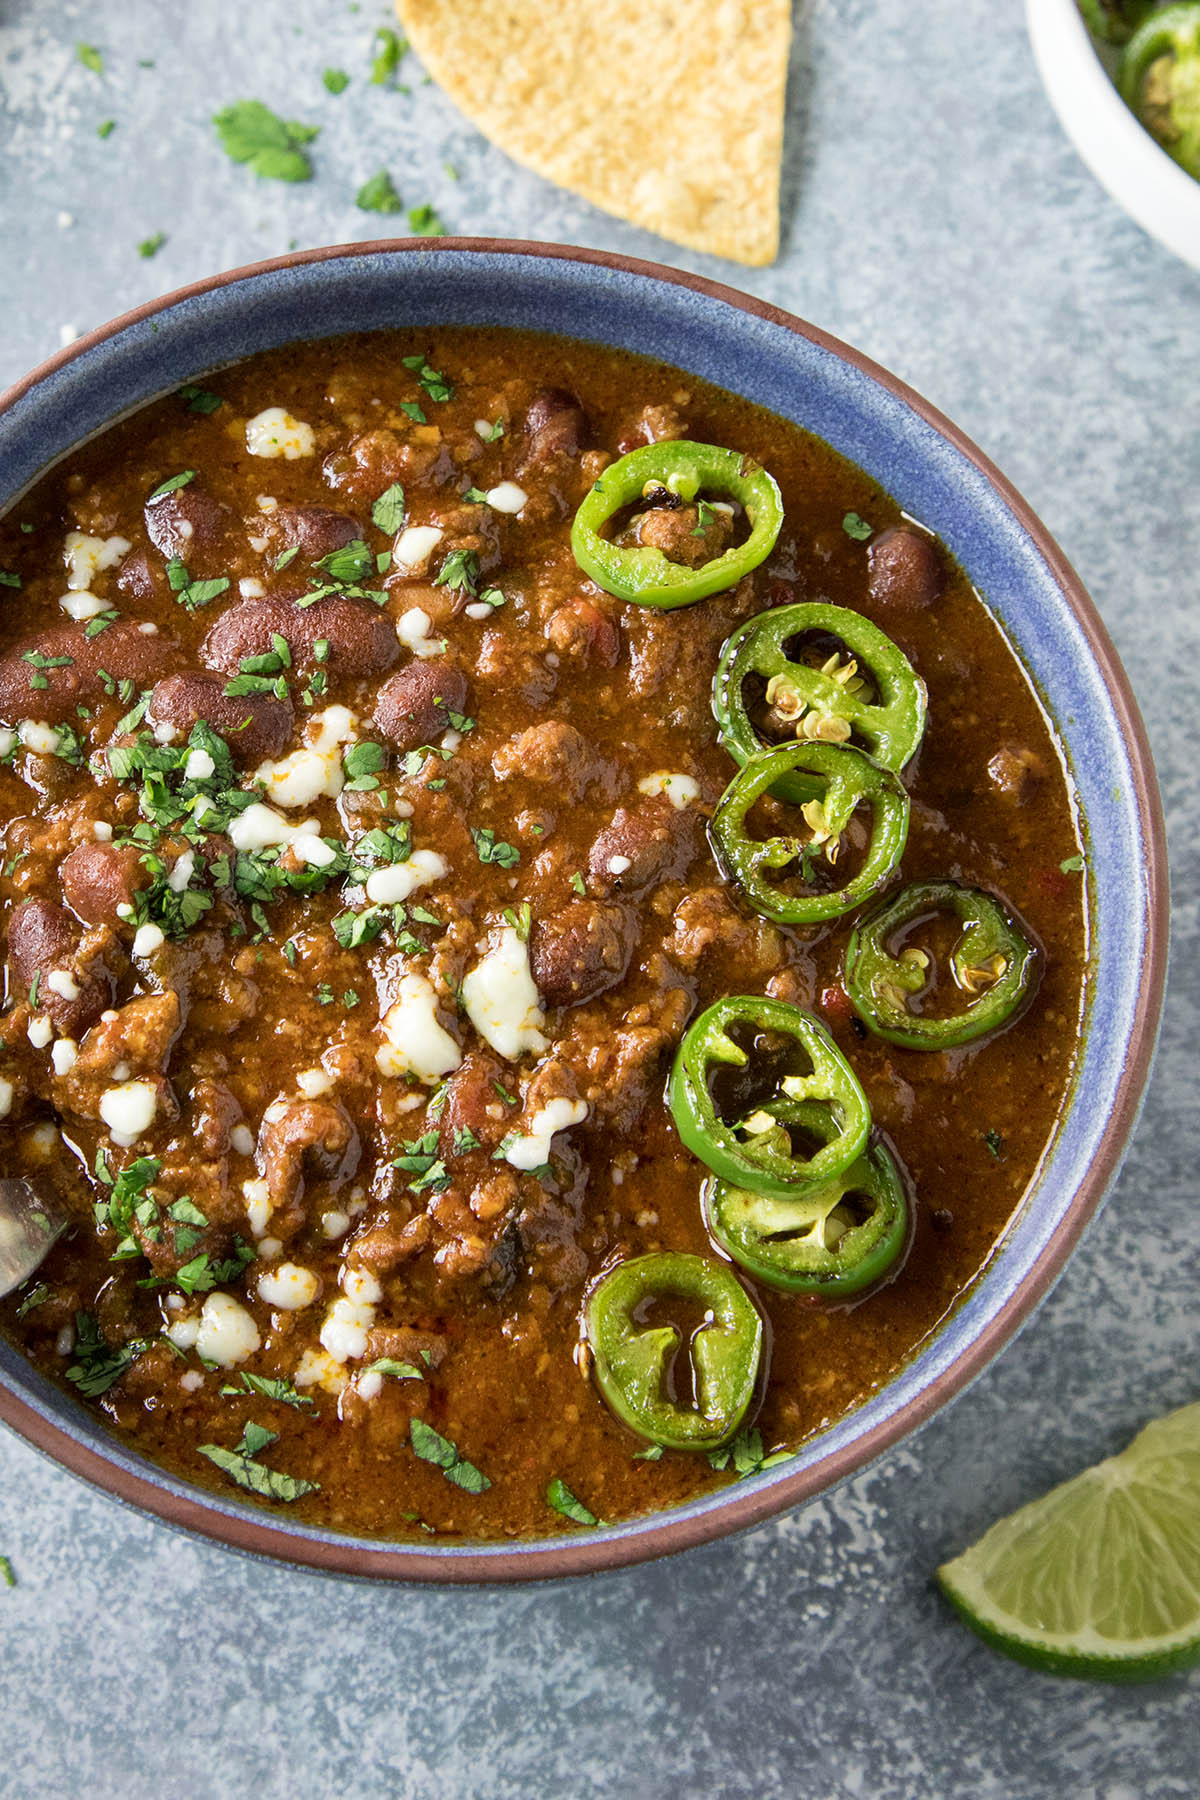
(1120, 152)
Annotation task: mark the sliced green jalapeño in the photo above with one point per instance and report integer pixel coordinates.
(1159, 78)
(833, 1240)
(993, 961)
(734, 1101)
(634, 1360)
(844, 780)
(640, 572)
(866, 689)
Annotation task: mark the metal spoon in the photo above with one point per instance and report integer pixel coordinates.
(29, 1225)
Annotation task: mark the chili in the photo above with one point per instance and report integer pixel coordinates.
(845, 779)
(641, 572)
(993, 961)
(873, 694)
(1112, 21)
(754, 1149)
(634, 1362)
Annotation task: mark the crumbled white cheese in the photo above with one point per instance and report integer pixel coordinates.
(148, 629)
(63, 983)
(313, 1083)
(266, 502)
(39, 1031)
(241, 1139)
(396, 881)
(227, 1333)
(478, 609)
(315, 770)
(44, 1140)
(182, 873)
(531, 1150)
(681, 790)
(199, 766)
(83, 605)
(335, 1224)
(63, 1055)
(6, 1096)
(8, 738)
(288, 1288)
(250, 587)
(414, 1041)
(147, 939)
(316, 1369)
(368, 1385)
(414, 547)
(259, 544)
(38, 736)
(261, 826)
(413, 628)
(268, 1249)
(165, 733)
(257, 1195)
(191, 1381)
(274, 432)
(129, 1110)
(501, 999)
(617, 865)
(102, 831)
(87, 556)
(484, 429)
(507, 497)
(344, 1333)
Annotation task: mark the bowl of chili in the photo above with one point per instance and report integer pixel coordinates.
(933, 474)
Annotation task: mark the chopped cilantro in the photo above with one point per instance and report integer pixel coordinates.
(704, 518)
(90, 57)
(459, 570)
(287, 556)
(389, 49)
(6, 1572)
(994, 1142)
(465, 1140)
(100, 623)
(415, 411)
(423, 221)
(99, 1365)
(494, 598)
(475, 497)
(560, 1497)
(508, 1099)
(856, 528)
(497, 431)
(172, 482)
(400, 1371)
(578, 883)
(192, 594)
(105, 128)
(353, 562)
(651, 1453)
(432, 1447)
(271, 1388)
(242, 1467)
(251, 133)
(489, 851)
(379, 195)
(432, 380)
(336, 80)
(521, 919)
(199, 399)
(1074, 865)
(37, 1296)
(745, 1454)
(387, 514)
(362, 763)
(153, 244)
(8, 579)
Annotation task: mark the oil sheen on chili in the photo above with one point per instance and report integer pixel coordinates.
(359, 891)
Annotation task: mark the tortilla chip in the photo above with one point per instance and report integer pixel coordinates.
(668, 116)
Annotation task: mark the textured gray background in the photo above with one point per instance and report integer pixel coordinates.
(936, 217)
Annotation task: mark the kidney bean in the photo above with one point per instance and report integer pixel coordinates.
(318, 530)
(137, 580)
(656, 839)
(122, 651)
(255, 726)
(44, 940)
(190, 524)
(98, 878)
(580, 951)
(362, 640)
(413, 706)
(904, 571)
(555, 426)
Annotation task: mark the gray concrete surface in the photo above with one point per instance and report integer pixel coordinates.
(935, 216)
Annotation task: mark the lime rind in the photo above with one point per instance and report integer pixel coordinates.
(1099, 1578)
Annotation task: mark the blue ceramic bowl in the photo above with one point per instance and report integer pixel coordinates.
(936, 475)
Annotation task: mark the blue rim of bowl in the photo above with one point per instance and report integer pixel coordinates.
(1044, 1231)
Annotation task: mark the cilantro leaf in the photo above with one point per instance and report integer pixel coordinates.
(1074, 865)
(489, 851)
(387, 514)
(241, 1468)
(271, 1388)
(37, 1296)
(251, 133)
(152, 245)
(379, 195)
(400, 1371)
(994, 1142)
(90, 57)
(98, 1364)
(459, 570)
(391, 47)
(432, 1447)
(336, 80)
(560, 1497)
(171, 483)
(856, 528)
(199, 399)
(423, 221)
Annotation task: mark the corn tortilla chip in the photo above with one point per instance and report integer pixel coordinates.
(668, 116)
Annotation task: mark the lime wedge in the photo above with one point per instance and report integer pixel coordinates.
(1100, 1577)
